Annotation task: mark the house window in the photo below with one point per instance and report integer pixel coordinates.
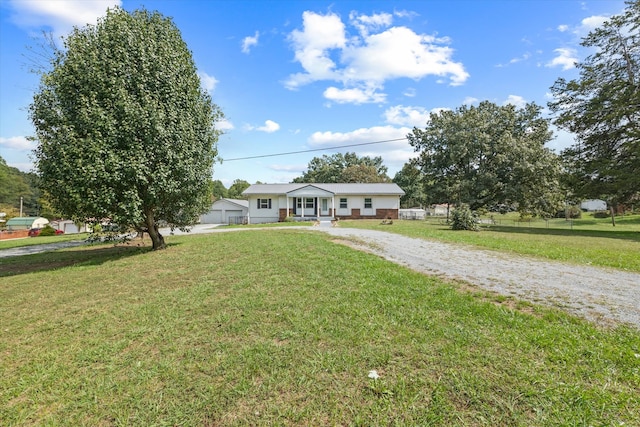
(367, 203)
(264, 203)
(308, 202)
(343, 203)
(299, 202)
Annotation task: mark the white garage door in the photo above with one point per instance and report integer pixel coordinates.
(212, 217)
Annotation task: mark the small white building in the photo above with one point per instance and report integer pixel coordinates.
(276, 202)
(26, 223)
(593, 205)
(226, 211)
(69, 227)
(412, 213)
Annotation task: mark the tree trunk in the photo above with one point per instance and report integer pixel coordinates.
(613, 214)
(154, 234)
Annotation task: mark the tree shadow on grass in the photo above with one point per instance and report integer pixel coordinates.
(613, 234)
(79, 256)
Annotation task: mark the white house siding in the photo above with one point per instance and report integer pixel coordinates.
(264, 215)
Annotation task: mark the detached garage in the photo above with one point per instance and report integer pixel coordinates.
(226, 211)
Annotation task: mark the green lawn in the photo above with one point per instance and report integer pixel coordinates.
(281, 327)
(595, 244)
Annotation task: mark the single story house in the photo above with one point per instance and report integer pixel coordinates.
(275, 202)
(26, 223)
(226, 211)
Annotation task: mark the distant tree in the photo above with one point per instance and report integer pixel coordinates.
(410, 179)
(602, 108)
(218, 189)
(346, 167)
(236, 189)
(14, 185)
(125, 130)
(489, 155)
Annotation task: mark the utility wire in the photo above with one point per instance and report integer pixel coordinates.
(309, 151)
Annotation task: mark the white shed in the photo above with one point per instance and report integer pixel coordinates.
(226, 211)
(593, 205)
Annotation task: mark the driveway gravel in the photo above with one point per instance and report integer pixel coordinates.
(598, 294)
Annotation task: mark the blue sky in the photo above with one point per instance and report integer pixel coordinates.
(312, 75)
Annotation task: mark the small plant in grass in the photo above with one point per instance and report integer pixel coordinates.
(464, 219)
(377, 386)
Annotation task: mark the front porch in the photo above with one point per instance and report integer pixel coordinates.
(309, 203)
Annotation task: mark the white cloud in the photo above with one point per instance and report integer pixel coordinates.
(566, 58)
(269, 127)
(312, 46)
(248, 42)
(224, 125)
(395, 153)
(590, 24)
(372, 134)
(60, 15)
(410, 92)
(563, 28)
(517, 101)
(367, 23)
(354, 95)
(408, 116)
(327, 52)
(20, 143)
(207, 82)
(470, 100)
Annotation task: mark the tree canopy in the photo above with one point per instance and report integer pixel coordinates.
(236, 189)
(410, 179)
(487, 156)
(346, 167)
(602, 108)
(124, 129)
(15, 184)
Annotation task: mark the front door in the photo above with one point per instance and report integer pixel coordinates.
(324, 207)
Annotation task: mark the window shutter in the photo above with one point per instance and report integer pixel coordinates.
(269, 203)
(258, 203)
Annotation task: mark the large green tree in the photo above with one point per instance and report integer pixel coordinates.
(124, 129)
(348, 167)
(410, 179)
(236, 189)
(602, 108)
(489, 155)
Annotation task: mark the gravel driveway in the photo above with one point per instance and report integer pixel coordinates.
(598, 294)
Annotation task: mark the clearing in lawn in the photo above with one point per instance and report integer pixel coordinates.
(282, 327)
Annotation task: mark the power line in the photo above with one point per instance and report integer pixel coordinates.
(309, 151)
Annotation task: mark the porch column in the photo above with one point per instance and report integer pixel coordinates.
(318, 208)
(303, 205)
(333, 206)
(287, 206)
